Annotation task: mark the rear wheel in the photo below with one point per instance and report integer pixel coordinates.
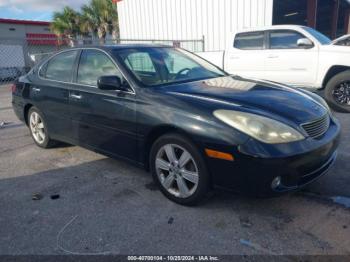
(38, 129)
(179, 169)
(337, 92)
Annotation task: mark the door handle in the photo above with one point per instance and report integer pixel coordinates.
(76, 96)
(35, 89)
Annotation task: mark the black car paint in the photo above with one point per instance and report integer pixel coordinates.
(124, 124)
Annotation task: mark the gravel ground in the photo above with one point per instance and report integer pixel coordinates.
(108, 206)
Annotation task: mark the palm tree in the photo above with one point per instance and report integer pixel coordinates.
(100, 17)
(66, 23)
(115, 26)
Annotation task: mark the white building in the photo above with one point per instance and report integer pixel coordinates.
(191, 19)
(21, 38)
(215, 19)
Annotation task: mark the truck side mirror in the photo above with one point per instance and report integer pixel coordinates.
(305, 43)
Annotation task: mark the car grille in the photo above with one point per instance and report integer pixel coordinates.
(318, 127)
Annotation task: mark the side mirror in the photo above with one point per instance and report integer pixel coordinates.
(111, 83)
(305, 43)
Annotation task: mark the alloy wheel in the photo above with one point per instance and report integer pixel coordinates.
(341, 93)
(177, 171)
(37, 127)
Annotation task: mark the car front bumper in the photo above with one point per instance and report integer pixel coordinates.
(256, 165)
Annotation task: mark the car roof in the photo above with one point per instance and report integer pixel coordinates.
(120, 46)
(272, 27)
(106, 48)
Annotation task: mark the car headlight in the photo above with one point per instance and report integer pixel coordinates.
(261, 128)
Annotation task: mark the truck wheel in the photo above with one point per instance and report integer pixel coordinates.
(337, 92)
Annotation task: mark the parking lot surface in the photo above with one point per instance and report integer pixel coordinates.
(68, 200)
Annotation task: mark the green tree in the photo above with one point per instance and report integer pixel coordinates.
(100, 17)
(66, 23)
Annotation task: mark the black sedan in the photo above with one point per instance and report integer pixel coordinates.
(188, 122)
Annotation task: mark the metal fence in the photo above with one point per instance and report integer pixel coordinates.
(19, 55)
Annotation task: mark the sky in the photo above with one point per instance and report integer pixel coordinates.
(35, 9)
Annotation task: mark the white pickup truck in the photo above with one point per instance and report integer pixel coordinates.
(295, 55)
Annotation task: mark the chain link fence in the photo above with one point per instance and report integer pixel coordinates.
(19, 55)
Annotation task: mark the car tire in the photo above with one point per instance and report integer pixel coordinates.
(38, 129)
(333, 86)
(192, 176)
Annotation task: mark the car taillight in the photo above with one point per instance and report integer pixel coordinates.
(13, 88)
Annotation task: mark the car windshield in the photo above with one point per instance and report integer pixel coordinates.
(324, 40)
(154, 66)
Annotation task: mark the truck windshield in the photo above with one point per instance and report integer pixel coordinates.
(324, 40)
(154, 66)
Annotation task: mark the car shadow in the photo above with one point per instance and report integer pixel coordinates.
(107, 205)
(104, 174)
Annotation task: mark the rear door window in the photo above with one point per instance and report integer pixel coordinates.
(250, 41)
(60, 67)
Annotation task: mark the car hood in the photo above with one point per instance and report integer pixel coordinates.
(335, 41)
(261, 97)
(335, 48)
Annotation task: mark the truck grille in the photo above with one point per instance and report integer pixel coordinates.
(318, 127)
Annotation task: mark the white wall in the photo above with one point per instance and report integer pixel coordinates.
(191, 19)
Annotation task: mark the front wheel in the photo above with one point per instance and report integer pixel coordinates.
(337, 92)
(179, 169)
